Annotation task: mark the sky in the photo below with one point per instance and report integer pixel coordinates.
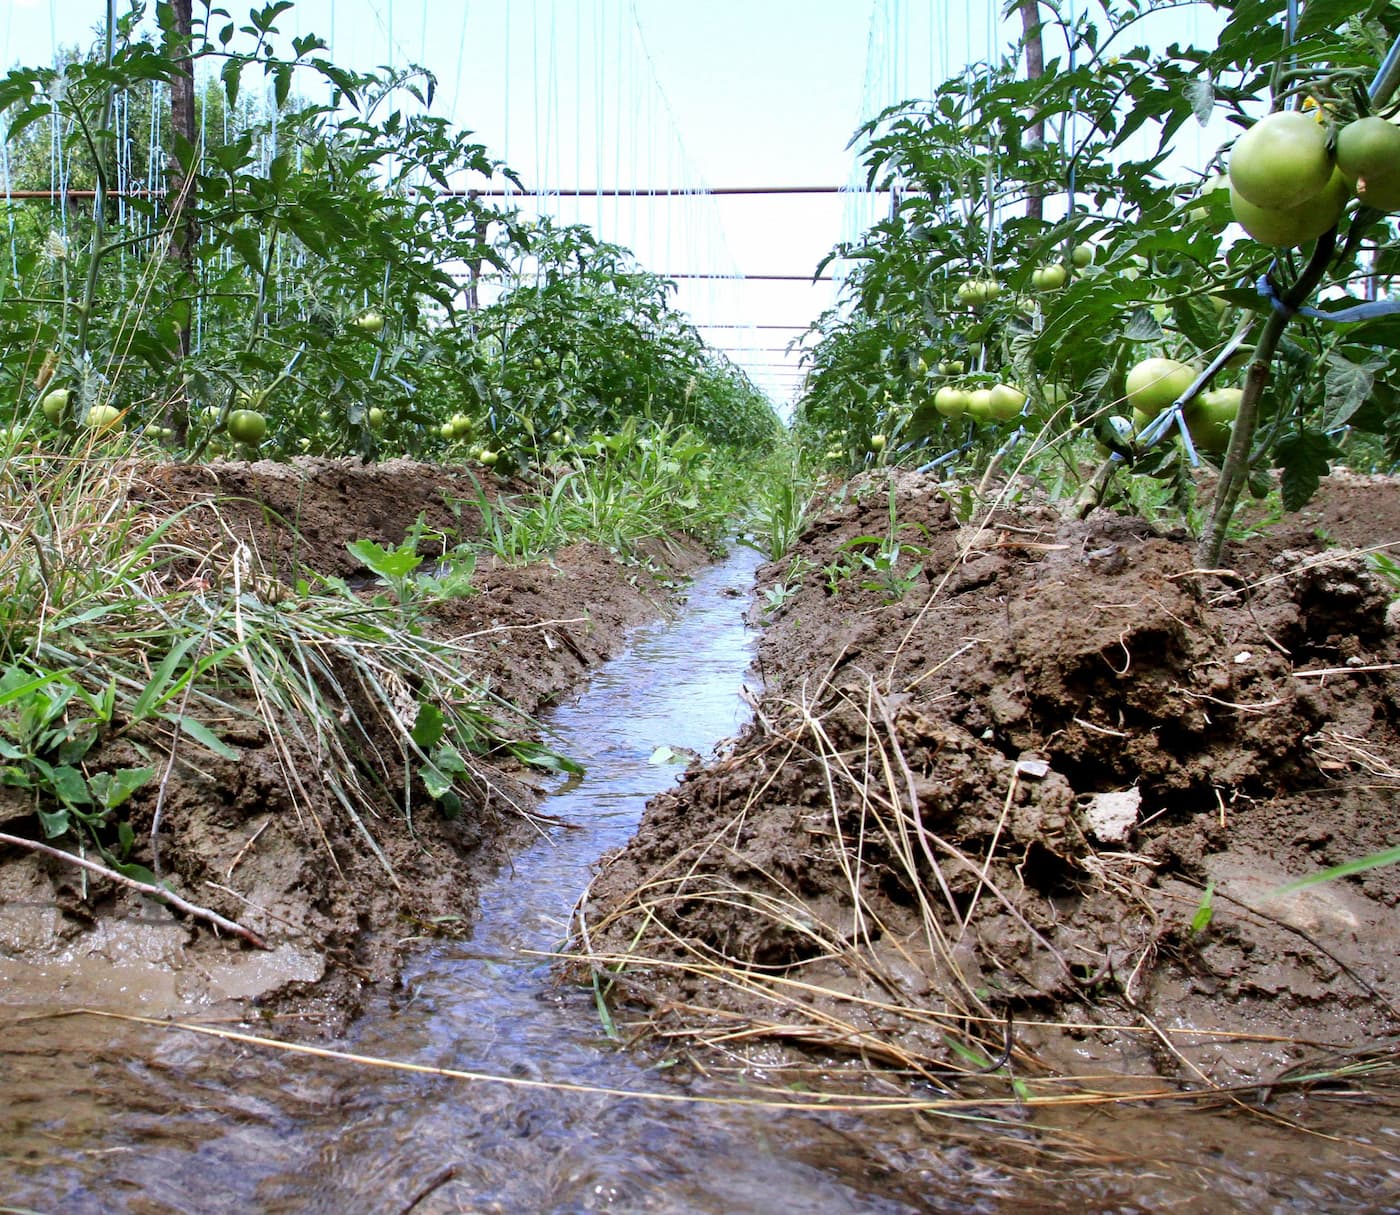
(654, 96)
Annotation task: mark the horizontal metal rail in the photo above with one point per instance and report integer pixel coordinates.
(497, 192)
(762, 278)
(655, 191)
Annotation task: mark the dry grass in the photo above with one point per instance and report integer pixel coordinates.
(174, 618)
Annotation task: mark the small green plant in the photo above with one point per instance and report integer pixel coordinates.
(393, 565)
(1387, 567)
(48, 724)
(835, 573)
(1205, 910)
(882, 559)
(775, 596)
(400, 566)
(781, 514)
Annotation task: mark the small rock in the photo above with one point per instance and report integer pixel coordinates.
(1110, 817)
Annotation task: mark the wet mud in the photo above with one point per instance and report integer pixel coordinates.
(1024, 798)
(1015, 811)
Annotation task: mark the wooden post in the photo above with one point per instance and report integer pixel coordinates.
(182, 215)
(1035, 68)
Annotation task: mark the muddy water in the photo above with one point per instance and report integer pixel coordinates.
(99, 1116)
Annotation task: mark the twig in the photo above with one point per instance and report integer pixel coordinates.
(159, 892)
(1320, 671)
(434, 1183)
(244, 850)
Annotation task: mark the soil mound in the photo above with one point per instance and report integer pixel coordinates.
(1025, 793)
(262, 832)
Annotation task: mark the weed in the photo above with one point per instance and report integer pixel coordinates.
(775, 596)
(881, 559)
(782, 511)
(1387, 567)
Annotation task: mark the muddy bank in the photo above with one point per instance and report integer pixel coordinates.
(1020, 797)
(259, 834)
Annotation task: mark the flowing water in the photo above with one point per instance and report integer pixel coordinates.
(115, 1117)
(104, 1116)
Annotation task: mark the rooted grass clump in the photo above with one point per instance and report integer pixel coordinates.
(140, 644)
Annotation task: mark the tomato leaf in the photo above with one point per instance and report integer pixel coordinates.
(1142, 326)
(1201, 95)
(1348, 385)
(1305, 457)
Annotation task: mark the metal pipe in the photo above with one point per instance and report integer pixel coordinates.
(1387, 78)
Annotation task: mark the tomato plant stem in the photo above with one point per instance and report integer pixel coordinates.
(1235, 470)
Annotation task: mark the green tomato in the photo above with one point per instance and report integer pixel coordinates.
(951, 402)
(1081, 256)
(1201, 214)
(375, 418)
(877, 442)
(1211, 416)
(1005, 402)
(1281, 161)
(368, 322)
(979, 404)
(1155, 383)
(1368, 154)
(975, 292)
(104, 418)
(1288, 227)
(55, 403)
(1049, 278)
(247, 426)
(487, 456)
(461, 426)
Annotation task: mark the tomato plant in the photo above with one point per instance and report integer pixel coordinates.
(1155, 268)
(322, 290)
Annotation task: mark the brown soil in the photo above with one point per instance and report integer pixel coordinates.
(1000, 781)
(292, 866)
